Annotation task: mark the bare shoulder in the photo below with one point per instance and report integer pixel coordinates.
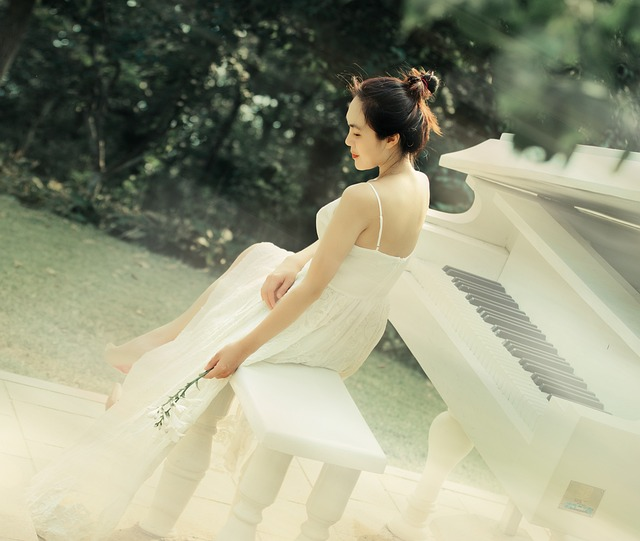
(357, 195)
(424, 183)
(422, 177)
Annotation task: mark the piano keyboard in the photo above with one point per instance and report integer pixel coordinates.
(529, 347)
(514, 381)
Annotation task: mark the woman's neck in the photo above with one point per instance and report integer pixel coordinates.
(393, 167)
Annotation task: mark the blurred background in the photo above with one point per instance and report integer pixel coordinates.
(195, 126)
(191, 129)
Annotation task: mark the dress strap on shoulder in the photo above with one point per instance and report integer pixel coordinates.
(380, 209)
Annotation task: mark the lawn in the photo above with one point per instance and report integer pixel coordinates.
(68, 290)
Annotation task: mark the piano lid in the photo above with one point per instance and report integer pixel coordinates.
(594, 180)
(594, 193)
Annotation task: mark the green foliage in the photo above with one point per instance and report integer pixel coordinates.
(563, 72)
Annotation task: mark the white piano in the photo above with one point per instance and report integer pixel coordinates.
(524, 311)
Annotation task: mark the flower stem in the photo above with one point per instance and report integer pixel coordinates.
(164, 411)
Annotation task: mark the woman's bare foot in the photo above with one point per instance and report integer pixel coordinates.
(114, 396)
(121, 357)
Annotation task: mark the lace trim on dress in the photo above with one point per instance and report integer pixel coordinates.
(54, 519)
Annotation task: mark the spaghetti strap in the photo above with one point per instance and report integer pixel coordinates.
(380, 209)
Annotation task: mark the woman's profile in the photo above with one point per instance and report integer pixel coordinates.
(325, 305)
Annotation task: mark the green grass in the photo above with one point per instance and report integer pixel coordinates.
(68, 289)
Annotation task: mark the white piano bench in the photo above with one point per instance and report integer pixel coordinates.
(297, 410)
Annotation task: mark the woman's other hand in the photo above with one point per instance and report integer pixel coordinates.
(285, 274)
(278, 283)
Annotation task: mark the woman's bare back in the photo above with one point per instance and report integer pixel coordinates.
(405, 200)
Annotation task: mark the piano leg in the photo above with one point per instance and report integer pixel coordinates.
(448, 445)
(511, 518)
(555, 535)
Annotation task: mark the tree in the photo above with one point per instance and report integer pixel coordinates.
(13, 26)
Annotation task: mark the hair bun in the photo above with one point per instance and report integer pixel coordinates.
(420, 84)
(431, 81)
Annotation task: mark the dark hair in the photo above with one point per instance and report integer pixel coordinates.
(399, 105)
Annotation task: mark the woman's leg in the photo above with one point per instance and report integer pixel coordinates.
(124, 356)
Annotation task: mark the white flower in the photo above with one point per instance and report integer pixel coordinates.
(177, 424)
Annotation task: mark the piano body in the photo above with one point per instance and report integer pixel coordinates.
(524, 312)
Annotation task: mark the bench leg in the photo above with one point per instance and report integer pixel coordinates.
(327, 502)
(448, 445)
(258, 488)
(184, 468)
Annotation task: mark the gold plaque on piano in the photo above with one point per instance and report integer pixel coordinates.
(581, 498)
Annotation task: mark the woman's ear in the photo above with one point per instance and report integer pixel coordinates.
(393, 140)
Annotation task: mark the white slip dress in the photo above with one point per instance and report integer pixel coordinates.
(83, 493)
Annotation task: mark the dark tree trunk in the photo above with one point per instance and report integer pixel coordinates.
(33, 128)
(13, 27)
(224, 130)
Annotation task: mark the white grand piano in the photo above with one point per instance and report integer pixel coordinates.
(524, 311)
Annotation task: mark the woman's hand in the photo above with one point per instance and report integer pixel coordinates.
(227, 360)
(278, 283)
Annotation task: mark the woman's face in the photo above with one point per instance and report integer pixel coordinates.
(367, 150)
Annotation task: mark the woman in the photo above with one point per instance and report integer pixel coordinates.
(325, 305)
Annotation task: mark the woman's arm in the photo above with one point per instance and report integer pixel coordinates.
(351, 217)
